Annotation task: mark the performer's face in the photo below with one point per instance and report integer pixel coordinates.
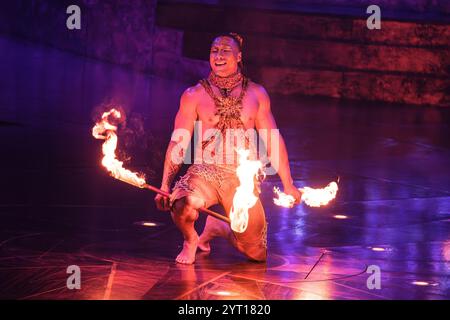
(224, 56)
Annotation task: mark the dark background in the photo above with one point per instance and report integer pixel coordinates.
(369, 106)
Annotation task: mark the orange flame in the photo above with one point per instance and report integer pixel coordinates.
(320, 197)
(106, 131)
(283, 199)
(244, 198)
(312, 197)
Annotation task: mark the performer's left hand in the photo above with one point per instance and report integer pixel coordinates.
(293, 191)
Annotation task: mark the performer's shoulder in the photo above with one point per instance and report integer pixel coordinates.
(192, 92)
(258, 89)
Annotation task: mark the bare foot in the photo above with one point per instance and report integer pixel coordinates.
(187, 255)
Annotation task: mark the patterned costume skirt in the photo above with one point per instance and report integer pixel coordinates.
(216, 184)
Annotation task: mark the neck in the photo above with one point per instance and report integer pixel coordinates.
(227, 75)
(229, 82)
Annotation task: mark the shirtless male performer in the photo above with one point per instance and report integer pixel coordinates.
(227, 99)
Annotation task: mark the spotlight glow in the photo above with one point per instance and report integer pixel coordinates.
(340, 216)
(378, 249)
(223, 293)
(149, 224)
(146, 224)
(424, 283)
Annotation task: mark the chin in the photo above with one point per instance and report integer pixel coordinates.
(222, 72)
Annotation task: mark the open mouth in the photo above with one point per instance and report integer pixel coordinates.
(219, 64)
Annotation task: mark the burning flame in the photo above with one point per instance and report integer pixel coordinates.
(244, 198)
(106, 131)
(312, 197)
(320, 197)
(283, 200)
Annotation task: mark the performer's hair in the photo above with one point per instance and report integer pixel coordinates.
(238, 40)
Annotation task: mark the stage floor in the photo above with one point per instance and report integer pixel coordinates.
(59, 208)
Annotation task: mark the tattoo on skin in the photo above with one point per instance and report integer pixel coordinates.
(170, 168)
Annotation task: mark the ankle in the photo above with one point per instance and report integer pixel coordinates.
(191, 238)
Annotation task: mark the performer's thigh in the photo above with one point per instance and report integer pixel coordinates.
(256, 224)
(253, 241)
(191, 186)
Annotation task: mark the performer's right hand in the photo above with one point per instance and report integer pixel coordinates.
(162, 202)
(291, 190)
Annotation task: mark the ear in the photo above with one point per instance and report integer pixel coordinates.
(239, 57)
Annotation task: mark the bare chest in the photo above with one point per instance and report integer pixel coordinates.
(207, 110)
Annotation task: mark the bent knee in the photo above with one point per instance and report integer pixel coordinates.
(260, 257)
(187, 206)
(193, 202)
(254, 253)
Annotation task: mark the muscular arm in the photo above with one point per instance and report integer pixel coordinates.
(265, 120)
(170, 168)
(181, 136)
